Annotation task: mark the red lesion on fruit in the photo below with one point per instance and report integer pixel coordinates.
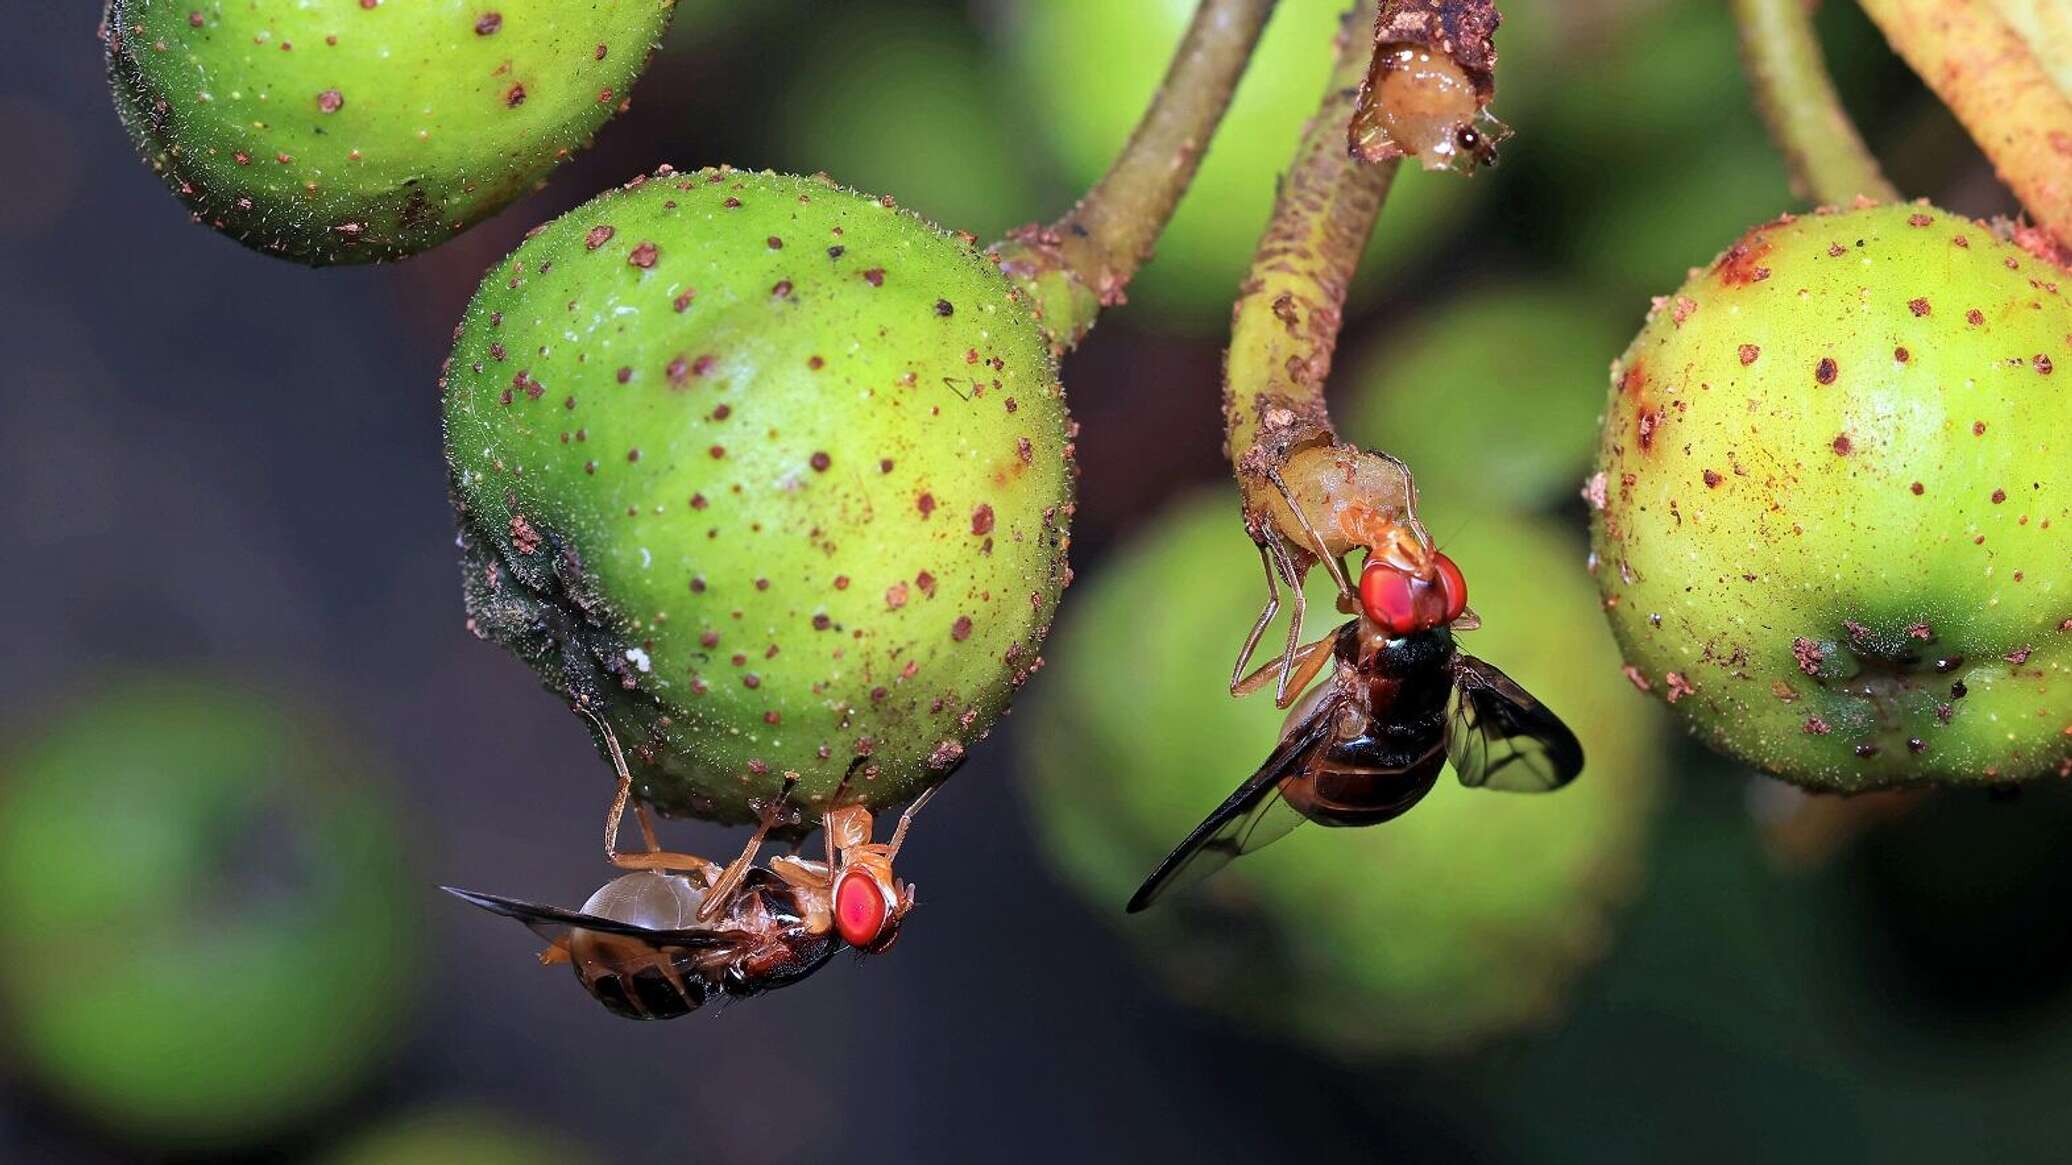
(1645, 425)
(1741, 265)
(1810, 655)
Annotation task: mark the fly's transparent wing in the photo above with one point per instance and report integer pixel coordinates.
(552, 923)
(1249, 819)
(1498, 736)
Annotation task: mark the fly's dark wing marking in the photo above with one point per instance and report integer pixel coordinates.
(1248, 819)
(1498, 736)
(552, 922)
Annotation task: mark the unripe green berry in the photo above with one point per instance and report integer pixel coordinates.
(774, 472)
(352, 131)
(1831, 511)
(1376, 940)
(214, 911)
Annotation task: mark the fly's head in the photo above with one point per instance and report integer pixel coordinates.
(1407, 587)
(868, 901)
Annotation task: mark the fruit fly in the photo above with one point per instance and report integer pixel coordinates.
(679, 930)
(1400, 702)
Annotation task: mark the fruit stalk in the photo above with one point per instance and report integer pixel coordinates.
(1286, 320)
(1781, 52)
(1081, 263)
(1986, 72)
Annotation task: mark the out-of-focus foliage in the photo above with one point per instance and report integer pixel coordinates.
(1491, 397)
(1466, 919)
(215, 919)
(898, 102)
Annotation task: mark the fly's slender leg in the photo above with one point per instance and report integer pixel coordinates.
(1286, 562)
(1316, 540)
(1273, 607)
(656, 858)
(1309, 659)
(720, 891)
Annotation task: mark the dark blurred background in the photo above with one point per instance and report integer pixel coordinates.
(225, 469)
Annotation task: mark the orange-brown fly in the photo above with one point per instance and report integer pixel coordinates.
(680, 930)
(1399, 700)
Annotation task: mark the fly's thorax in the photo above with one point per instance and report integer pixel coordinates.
(1365, 647)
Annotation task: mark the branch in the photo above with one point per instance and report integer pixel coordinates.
(1828, 161)
(1987, 74)
(1080, 264)
(1285, 325)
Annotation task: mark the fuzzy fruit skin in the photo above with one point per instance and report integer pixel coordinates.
(331, 131)
(819, 527)
(246, 894)
(1834, 457)
(1375, 942)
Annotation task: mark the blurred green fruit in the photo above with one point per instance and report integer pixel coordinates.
(919, 111)
(776, 474)
(216, 919)
(457, 1137)
(1465, 920)
(349, 131)
(1089, 67)
(1830, 511)
(1491, 398)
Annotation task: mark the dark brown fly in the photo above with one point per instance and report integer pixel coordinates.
(1400, 702)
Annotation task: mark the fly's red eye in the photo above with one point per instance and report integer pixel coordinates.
(1452, 584)
(859, 909)
(1388, 598)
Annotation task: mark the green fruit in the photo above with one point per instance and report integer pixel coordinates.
(352, 131)
(456, 1137)
(776, 473)
(1090, 66)
(921, 111)
(216, 914)
(1377, 941)
(1831, 503)
(1491, 398)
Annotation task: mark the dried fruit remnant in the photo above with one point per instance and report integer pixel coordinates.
(1426, 94)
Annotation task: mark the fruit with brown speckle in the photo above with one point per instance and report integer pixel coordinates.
(344, 131)
(775, 472)
(1831, 512)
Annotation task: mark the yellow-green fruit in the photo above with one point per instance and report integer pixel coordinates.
(1492, 397)
(1831, 508)
(352, 131)
(1467, 919)
(776, 473)
(215, 920)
